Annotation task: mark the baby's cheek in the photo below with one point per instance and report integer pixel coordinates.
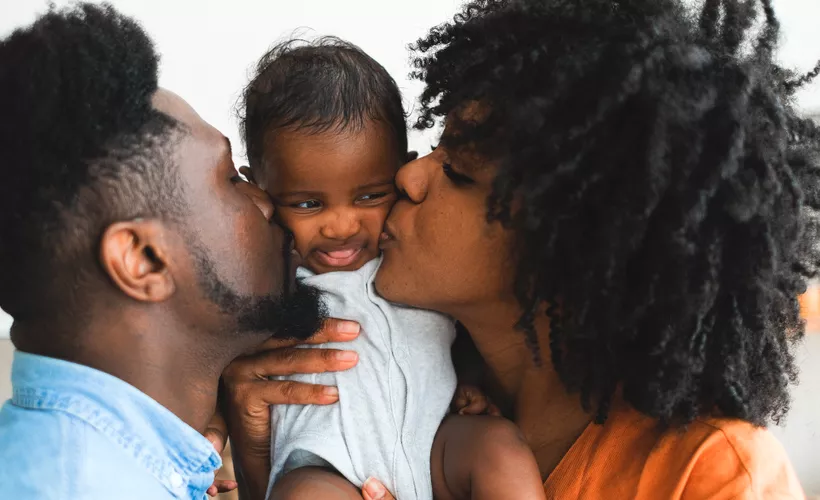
(375, 221)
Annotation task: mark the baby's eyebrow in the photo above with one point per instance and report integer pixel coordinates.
(378, 184)
(371, 185)
(298, 193)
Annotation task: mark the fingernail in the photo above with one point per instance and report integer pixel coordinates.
(349, 328)
(347, 356)
(374, 489)
(215, 443)
(332, 392)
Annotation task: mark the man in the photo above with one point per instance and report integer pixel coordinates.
(135, 262)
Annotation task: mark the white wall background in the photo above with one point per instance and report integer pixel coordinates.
(208, 46)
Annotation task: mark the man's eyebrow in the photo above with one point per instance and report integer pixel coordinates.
(228, 143)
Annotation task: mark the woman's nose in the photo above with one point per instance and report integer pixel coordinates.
(413, 178)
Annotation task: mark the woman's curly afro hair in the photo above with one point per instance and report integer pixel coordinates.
(664, 190)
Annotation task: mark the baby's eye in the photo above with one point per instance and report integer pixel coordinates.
(307, 205)
(372, 196)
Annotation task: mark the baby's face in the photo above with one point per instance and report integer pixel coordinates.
(333, 191)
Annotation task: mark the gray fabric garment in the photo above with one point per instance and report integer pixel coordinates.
(390, 405)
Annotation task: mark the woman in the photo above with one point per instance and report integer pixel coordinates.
(620, 212)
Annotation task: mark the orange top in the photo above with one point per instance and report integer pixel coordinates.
(810, 309)
(629, 457)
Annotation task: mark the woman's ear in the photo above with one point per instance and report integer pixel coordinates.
(136, 257)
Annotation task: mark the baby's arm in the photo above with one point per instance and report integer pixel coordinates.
(309, 483)
(483, 457)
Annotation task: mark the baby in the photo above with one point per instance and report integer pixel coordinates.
(325, 131)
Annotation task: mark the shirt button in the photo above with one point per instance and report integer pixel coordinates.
(176, 480)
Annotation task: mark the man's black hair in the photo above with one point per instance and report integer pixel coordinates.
(328, 84)
(662, 188)
(82, 147)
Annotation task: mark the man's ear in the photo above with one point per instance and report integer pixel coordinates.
(136, 256)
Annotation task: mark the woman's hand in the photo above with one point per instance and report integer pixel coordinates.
(374, 490)
(248, 393)
(217, 434)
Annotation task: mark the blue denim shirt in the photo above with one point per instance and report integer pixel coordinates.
(71, 431)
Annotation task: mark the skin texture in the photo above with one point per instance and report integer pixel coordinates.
(479, 457)
(658, 238)
(130, 243)
(155, 328)
(441, 188)
(332, 190)
(250, 392)
(438, 190)
(438, 233)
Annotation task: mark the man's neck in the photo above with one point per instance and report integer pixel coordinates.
(550, 418)
(176, 368)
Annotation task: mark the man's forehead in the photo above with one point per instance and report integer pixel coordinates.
(174, 106)
(177, 108)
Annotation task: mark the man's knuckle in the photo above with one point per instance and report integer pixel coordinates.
(289, 356)
(288, 389)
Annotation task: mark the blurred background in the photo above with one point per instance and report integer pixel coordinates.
(208, 47)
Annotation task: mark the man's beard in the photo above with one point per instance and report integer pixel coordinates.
(297, 314)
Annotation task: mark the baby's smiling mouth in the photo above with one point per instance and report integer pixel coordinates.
(340, 256)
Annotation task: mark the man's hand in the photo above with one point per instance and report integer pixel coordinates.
(470, 400)
(248, 393)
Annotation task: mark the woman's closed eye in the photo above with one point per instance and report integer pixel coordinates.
(457, 178)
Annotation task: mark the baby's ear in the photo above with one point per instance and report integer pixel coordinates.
(412, 155)
(246, 172)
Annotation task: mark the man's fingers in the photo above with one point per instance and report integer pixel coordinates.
(278, 392)
(333, 330)
(288, 361)
(217, 432)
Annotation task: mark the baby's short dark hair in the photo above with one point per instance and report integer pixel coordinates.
(318, 86)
